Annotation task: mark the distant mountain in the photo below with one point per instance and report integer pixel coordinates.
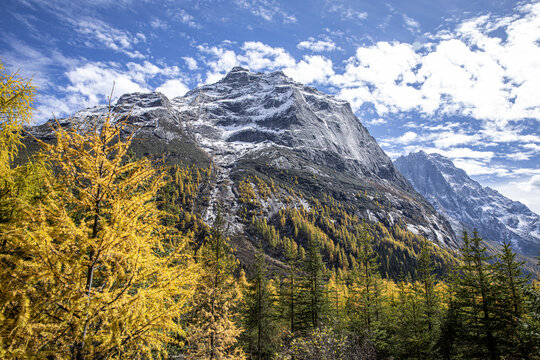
(308, 146)
(469, 205)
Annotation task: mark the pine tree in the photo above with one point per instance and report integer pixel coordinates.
(213, 332)
(474, 299)
(260, 330)
(364, 298)
(429, 301)
(510, 283)
(101, 277)
(313, 306)
(289, 291)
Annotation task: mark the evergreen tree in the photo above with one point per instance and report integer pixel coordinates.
(429, 303)
(364, 294)
(510, 283)
(313, 305)
(259, 330)
(475, 299)
(212, 331)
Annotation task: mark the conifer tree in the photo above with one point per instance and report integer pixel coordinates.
(511, 284)
(259, 330)
(213, 332)
(289, 289)
(474, 299)
(101, 276)
(429, 303)
(313, 299)
(364, 293)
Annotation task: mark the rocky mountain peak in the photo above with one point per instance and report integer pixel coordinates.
(246, 112)
(469, 205)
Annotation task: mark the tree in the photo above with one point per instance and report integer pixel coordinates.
(364, 300)
(99, 275)
(16, 98)
(313, 302)
(260, 330)
(511, 284)
(429, 306)
(18, 184)
(475, 299)
(213, 332)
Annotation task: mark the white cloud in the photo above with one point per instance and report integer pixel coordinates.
(112, 38)
(347, 13)
(524, 190)
(266, 9)
(95, 82)
(185, 18)
(377, 121)
(381, 74)
(475, 167)
(159, 24)
(532, 146)
(258, 56)
(317, 46)
(448, 139)
(406, 138)
(173, 88)
(311, 69)
(91, 84)
(191, 63)
(410, 24)
(519, 156)
(469, 72)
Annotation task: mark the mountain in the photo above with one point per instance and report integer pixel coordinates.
(469, 205)
(283, 159)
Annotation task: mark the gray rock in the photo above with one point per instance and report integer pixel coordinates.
(469, 205)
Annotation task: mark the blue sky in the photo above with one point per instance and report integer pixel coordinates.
(461, 78)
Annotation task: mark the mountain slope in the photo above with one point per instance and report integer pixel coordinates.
(285, 162)
(468, 205)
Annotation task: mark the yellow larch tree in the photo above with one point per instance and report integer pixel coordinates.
(102, 277)
(20, 186)
(213, 332)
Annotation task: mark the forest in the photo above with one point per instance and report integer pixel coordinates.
(104, 255)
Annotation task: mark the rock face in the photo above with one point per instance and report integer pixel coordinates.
(245, 111)
(269, 125)
(468, 205)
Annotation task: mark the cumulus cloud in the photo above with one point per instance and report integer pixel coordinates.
(377, 121)
(95, 82)
(312, 69)
(406, 138)
(191, 63)
(173, 88)
(317, 46)
(258, 56)
(91, 83)
(469, 72)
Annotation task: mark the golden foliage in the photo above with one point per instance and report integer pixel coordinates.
(96, 274)
(16, 98)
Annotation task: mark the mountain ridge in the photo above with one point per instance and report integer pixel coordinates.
(469, 205)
